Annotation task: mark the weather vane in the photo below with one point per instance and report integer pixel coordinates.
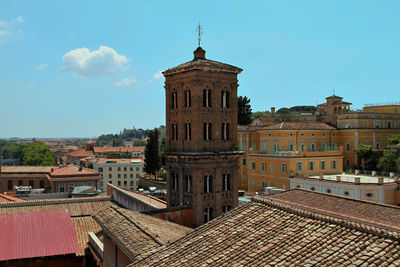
(199, 32)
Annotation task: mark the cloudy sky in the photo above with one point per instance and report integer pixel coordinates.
(83, 68)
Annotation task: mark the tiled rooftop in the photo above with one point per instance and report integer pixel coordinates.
(26, 169)
(8, 198)
(272, 231)
(300, 126)
(136, 233)
(72, 170)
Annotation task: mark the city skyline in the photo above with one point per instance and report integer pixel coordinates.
(64, 72)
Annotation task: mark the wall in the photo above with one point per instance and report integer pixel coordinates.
(182, 216)
(113, 255)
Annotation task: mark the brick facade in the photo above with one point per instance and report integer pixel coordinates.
(201, 118)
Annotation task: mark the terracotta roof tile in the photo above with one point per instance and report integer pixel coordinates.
(26, 169)
(268, 231)
(81, 153)
(136, 233)
(8, 198)
(300, 126)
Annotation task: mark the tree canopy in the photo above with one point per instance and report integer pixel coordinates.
(37, 154)
(389, 162)
(244, 110)
(367, 156)
(394, 140)
(152, 162)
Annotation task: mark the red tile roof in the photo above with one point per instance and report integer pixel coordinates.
(270, 231)
(8, 198)
(98, 150)
(26, 169)
(36, 234)
(72, 171)
(81, 153)
(300, 126)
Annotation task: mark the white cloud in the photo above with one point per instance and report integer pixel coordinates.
(2, 33)
(41, 66)
(158, 75)
(7, 27)
(125, 81)
(104, 61)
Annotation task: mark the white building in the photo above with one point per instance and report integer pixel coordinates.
(119, 172)
(357, 186)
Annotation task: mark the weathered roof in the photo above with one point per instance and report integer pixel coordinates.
(36, 234)
(136, 233)
(80, 153)
(300, 126)
(269, 231)
(76, 206)
(72, 170)
(8, 198)
(201, 63)
(370, 212)
(106, 149)
(80, 210)
(26, 169)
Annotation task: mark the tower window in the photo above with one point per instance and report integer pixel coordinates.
(207, 131)
(206, 98)
(188, 183)
(207, 184)
(175, 131)
(174, 103)
(226, 182)
(188, 132)
(207, 214)
(188, 101)
(224, 99)
(225, 131)
(174, 181)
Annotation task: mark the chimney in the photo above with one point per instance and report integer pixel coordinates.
(396, 179)
(357, 180)
(338, 178)
(51, 170)
(391, 174)
(373, 173)
(380, 180)
(356, 171)
(80, 168)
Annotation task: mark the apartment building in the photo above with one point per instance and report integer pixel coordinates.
(123, 172)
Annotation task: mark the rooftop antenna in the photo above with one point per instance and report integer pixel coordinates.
(199, 32)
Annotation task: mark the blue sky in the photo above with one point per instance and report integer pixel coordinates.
(292, 53)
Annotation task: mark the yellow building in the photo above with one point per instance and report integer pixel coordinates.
(334, 133)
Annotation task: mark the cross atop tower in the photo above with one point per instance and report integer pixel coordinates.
(199, 32)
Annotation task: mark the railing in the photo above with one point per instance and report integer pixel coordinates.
(382, 104)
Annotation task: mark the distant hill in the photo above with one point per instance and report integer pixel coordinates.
(136, 137)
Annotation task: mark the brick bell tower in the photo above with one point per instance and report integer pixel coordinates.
(201, 117)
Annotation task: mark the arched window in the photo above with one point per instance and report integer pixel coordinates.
(207, 131)
(188, 183)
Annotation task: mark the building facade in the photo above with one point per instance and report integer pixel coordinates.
(119, 172)
(201, 118)
(335, 131)
(364, 187)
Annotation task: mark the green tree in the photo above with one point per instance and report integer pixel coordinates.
(37, 154)
(152, 162)
(259, 114)
(10, 150)
(244, 110)
(283, 111)
(139, 143)
(367, 156)
(389, 162)
(117, 142)
(394, 140)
